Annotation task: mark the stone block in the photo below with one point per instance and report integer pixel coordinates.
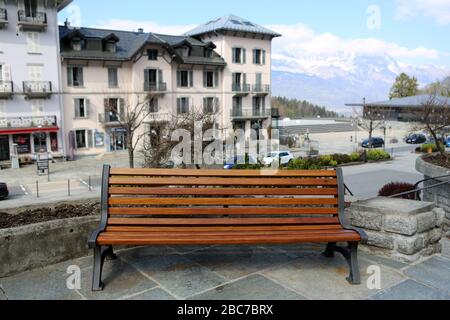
(432, 236)
(409, 245)
(440, 216)
(426, 221)
(368, 220)
(380, 240)
(401, 224)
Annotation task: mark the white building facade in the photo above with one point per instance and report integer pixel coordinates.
(31, 114)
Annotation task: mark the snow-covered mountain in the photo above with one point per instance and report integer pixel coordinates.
(335, 80)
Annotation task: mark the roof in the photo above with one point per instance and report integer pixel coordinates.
(130, 42)
(231, 23)
(407, 102)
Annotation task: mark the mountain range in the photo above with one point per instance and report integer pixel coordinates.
(333, 81)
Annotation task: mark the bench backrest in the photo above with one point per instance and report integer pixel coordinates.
(172, 197)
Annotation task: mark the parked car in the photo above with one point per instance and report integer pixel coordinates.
(376, 143)
(416, 139)
(4, 193)
(283, 156)
(230, 164)
(447, 142)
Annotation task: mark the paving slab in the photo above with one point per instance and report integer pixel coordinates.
(434, 272)
(411, 290)
(254, 287)
(234, 262)
(446, 247)
(395, 264)
(152, 294)
(181, 276)
(119, 278)
(320, 278)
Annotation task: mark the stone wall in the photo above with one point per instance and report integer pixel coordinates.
(439, 195)
(403, 229)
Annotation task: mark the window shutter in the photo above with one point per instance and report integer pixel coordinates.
(87, 107)
(254, 56)
(244, 78)
(264, 57)
(146, 76)
(234, 54)
(160, 76)
(263, 103)
(110, 80)
(254, 103)
(70, 76)
(80, 76)
(244, 56)
(6, 72)
(205, 105)
(178, 105)
(90, 139)
(121, 109)
(191, 78)
(216, 105)
(216, 79)
(178, 78)
(77, 107)
(205, 79)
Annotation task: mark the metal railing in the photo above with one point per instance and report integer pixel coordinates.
(37, 18)
(249, 113)
(237, 87)
(417, 190)
(3, 14)
(261, 88)
(37, 87)
(109, 117)
(6, 86)
(155, 87)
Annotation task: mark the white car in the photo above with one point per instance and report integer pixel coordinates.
(283, 156)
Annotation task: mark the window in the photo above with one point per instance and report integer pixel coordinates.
(40, 142)
(54, 141)
(208, 53)
(33, 42)
(80, 139)
(113, 80)
(76, 45)
(153, 105)
(37, 107)
(239, 81)
(182, 105)
(5, 72)
(114, 109)
(152, 54)
(30, 8)
(239, 55)
(23, 143)
(110, 46)
(185, 78)
(259, 56)
(259, 104)
(210, 79)
(237, 106)
(75, 76)
(35, 73)
(210, 104)
(81, 107)
(2, 109)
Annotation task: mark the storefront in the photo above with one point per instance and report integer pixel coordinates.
(117, 139)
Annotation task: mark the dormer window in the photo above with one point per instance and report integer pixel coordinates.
(110, 47)
(208, 53)
(76, 45)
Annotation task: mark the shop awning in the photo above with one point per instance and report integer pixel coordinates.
(4, 131)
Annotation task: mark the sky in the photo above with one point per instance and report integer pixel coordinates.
(414, 32)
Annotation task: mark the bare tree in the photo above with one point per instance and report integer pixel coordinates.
(159, 145)
(371, 119)
(434, 115)
(131, 118)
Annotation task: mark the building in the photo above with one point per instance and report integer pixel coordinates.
(401, 109)
(222, 67)
(30, 104)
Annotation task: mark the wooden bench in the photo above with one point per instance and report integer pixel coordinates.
(206, 207)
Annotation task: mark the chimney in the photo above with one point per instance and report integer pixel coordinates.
(67, 23)
(140, 30)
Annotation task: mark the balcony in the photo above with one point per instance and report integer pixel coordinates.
(37, 89)
(240, 89)
(6, 89)
(261, 89)
(28, 122)
(275, 113)
(3, 18)
(159, 117)
(245, 114)
(109, 119)
(155, 88)
(36, 22)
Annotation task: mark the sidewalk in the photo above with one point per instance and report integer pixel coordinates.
(294, 272)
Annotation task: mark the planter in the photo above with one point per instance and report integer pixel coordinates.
(440, 195)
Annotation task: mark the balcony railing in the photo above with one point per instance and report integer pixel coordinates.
(158, 117)
(109, 118)
(28, 122)
(3, 17)
(155, 87)
(36, 22)
(240, 88)
(250, 114)
(6, 89)
(37, 89)
(261, 89)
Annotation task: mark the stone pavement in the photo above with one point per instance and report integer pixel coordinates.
(292, 272)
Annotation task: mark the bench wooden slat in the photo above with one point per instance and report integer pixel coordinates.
(222, 173)
(221, 191)
(114, 211)
(220, 221)
(225, 228)
(223, 201)
(181, 181)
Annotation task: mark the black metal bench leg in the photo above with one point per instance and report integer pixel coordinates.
(97, 284)
(110, 255)
(354, 277)
(329, 251)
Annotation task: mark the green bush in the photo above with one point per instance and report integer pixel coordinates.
(424, 148)
(355, 157)
(341, 158)
(378, 155)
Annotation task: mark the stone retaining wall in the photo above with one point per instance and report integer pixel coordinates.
(439, 195)
(403, 229)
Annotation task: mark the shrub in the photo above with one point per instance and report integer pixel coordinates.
(341, 158)
(355, 157)
(378, 155)
(424, 148)
(395, 188)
